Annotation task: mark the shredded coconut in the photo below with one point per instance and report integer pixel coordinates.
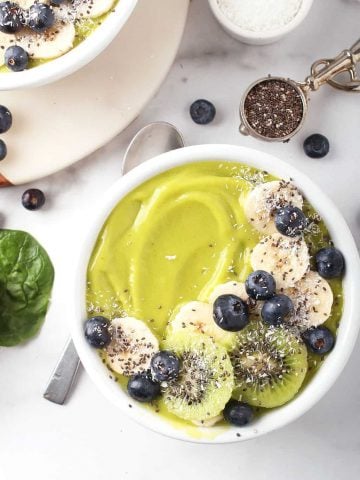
(260, 15)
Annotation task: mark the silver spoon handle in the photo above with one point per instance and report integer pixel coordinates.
(63, 376)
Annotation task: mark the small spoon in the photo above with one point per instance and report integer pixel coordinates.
(150, 141)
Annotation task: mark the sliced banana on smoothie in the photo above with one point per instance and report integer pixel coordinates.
(312, 298)
(286, 259)
(262, 202)
(92, 8)
(198, 317)
(229, 288)
(132, 346)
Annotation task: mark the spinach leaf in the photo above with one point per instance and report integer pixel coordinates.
(26, 280)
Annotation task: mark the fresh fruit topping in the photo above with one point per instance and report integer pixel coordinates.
(58, 2)
(238, 413)
(202, 112)
(260, 285)
(287, 259)
(16, 59)
(270, 365)
(330, 262)
(55, 41)
(5, 119)
(290, 221)
(230, 313)
(132, 347)
(198, 317)
(41, 17)
(97, 332)
(142, 388)
(229, 288)
(276, 310)
(264, 201)
(11, 17)
(319, 340)
(312, 298)
(165, 366)
(33, 199)
(3, 150)
(205, 381)
(316, 146)
(209, 422)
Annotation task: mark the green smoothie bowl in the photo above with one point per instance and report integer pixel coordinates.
(215, 297)
(43, 41)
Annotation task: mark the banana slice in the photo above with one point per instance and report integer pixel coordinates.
(92, 8)
(52, 43)
(261, 204)
(312, 298)
(132, 346)
(198, 317)
(287, 259)
(229, 288)
(209, 422)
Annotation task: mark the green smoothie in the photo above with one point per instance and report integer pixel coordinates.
(174, 239)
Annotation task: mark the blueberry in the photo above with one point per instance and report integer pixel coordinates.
(16, 59)
(165, 366)
(96, 330)
(316, 146)
(330, 262)
(290, 221)
(142, 388)
(33, 199)
(230, 313)
(57, 2)
(11, 17)
(5, 119)
(319, 340)
(238, 413)
(41, 17)
(276, 309)
(202, 112)
(3, 150)
(260, 285)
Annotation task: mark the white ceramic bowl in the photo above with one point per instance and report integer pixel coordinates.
(348, 329)
(75, 58)
(259, 38)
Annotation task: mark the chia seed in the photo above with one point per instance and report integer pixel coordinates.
(273, 108)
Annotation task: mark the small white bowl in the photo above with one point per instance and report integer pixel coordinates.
(259, 38)
(76, 58)
(349, 325)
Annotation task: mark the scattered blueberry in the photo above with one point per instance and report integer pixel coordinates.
(33, 199)
(238, 413)
(3, 150)
(57, 2)
(5, 119)
(319, 340)
(230, 313)
(276, 309)
(142, 388)
(202, 112)
(11, 17)
(260, 285)
(41, 17)
(316, 146)
(16, 58)
(290, 221)
(97, 332)
(165, 366)
(330, 262)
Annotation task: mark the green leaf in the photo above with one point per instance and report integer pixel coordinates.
(26, 280)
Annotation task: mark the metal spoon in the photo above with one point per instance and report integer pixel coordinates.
(150, 141)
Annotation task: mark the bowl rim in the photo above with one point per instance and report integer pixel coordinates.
(349, 325)
(272, 34)
(75, 58)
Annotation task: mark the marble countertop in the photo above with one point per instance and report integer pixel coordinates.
(88, 437)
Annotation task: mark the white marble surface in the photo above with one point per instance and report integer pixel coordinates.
(88, 437)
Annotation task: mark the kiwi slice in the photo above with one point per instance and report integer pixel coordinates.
(270, 365)
(205, 382)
